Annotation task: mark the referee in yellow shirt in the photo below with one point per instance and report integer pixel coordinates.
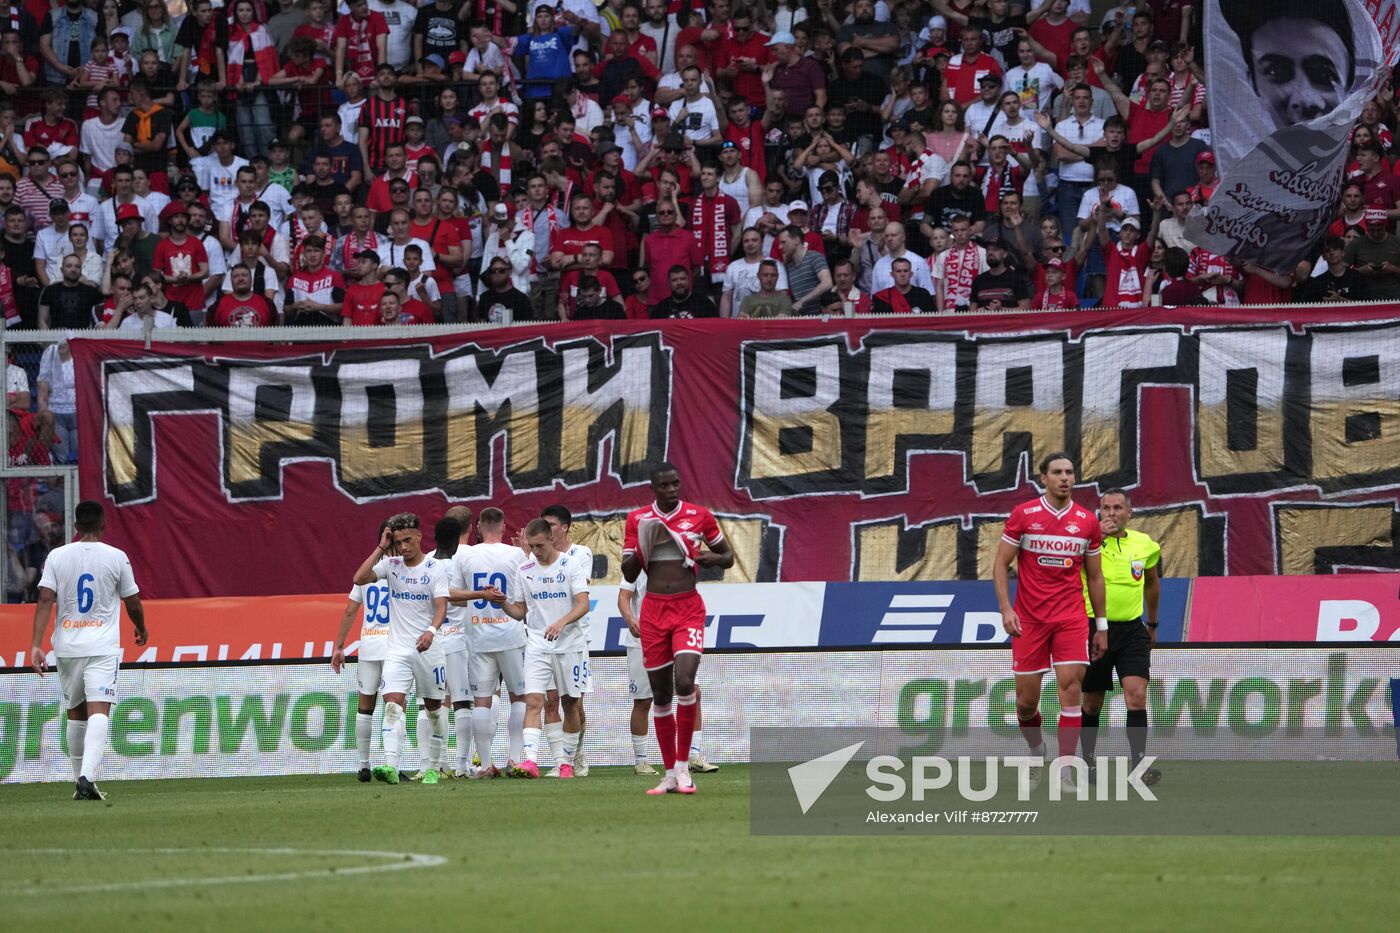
(1133, 588)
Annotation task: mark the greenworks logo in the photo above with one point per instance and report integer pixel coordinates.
(1250, 706)
(195, 725)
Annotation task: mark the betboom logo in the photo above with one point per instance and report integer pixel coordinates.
(548, 595)
(413, 596)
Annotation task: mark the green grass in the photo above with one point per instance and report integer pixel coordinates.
(597, 854)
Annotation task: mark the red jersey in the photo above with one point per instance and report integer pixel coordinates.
(572, 240)
(232, 311)
(687, 525)
(62, 134)
(184, 259)
(1052, 547)
(568, 288)
(361, 45)
(362, 304)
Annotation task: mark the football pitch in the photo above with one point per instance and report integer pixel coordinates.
(328, 853)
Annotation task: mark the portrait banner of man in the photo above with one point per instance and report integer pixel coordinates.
(1288, 81)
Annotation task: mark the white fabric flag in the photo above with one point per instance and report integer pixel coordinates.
(1288, 78)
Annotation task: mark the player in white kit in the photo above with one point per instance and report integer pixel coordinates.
(418, 596)
(549, 592)
(89, 582)
(496, 641)
(629, 599)
(448, 534)
(369, 666)
(561, 523)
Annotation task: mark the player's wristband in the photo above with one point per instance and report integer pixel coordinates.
(1101, 624)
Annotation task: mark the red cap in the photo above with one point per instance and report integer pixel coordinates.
(128, 212)
(622, 100)
(170, 210)
(457, 58)
(1055, 264)
(1206, 156)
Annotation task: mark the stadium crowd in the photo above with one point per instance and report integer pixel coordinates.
(169, 163)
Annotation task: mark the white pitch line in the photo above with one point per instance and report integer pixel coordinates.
(402, 861)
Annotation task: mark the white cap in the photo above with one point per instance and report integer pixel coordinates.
(797, 206)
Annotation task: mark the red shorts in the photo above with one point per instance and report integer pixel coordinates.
(1042, 645)
(672, 624)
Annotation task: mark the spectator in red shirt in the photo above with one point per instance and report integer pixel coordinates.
(361, 41)
(965, 70)
(361, 308)
(242, 307)
(1051, 27)
(181, 258)
(51, 129)
(669, 245)
(743, 57)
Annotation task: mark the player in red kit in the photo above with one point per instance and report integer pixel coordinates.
(665, 539)
(1050, 539)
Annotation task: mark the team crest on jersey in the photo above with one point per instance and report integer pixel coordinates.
(1139, 568)
(1072, 528)
(685, 526)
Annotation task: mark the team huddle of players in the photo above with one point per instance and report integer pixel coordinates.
(453, 625)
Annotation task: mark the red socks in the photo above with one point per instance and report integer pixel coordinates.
(1071, 720)
(686, 708)
(665, 722)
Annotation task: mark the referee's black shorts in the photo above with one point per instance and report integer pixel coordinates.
(1129, 653)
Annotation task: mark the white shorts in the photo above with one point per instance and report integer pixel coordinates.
(90, 680)
(370, 677)
(427, 669)
(568, 672)
(638, 684)
(459, 686)
(489, 668)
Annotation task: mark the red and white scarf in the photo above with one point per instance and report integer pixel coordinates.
(353, 244)
(527, 220)
(1125, 288)
(257, 41)
(959, 269)
(488, 161)
(711, 230)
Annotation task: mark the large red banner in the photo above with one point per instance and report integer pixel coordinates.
(1345, 607)
(843, 450)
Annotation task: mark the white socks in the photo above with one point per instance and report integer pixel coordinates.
(423, 731)
(530, 742)
(695, 745)
(393, 733)
(554, 735)
(77, 730)
(463, 723)
(484, 727)
(639, 748)
(364, 736)
(515, 727)
(567, 748)
(94, 745)
(437, 739)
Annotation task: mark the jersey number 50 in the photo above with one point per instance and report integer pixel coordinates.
(481, 581)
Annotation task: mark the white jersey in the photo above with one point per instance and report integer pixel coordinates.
(480, 566)
(453, 637)
(639, 593)
(374, 625)
(548, 593)
(584, 554)
(89, 580)
(412, 591)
